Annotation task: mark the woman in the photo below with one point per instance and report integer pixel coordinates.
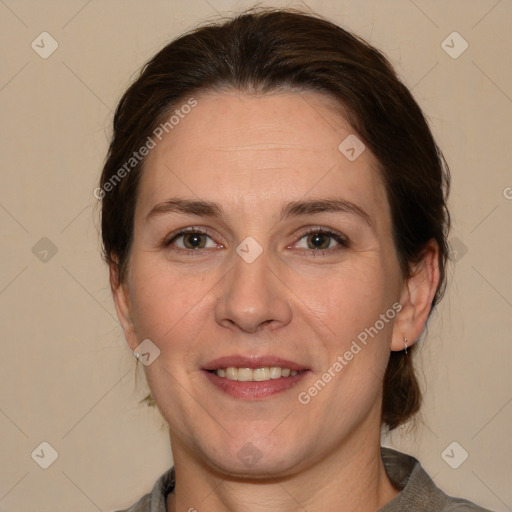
(274, 218)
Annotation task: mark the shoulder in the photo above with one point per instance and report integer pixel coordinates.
(156, 499)
(460, 505)
(418, 491)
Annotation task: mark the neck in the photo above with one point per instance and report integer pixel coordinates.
(351, 479)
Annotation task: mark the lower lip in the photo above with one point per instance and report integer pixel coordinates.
(254, 390)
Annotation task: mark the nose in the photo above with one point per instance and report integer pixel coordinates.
(253, 297)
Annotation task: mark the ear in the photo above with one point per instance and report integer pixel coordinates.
(121, 295)
(416, 298)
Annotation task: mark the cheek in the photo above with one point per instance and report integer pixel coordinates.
(350, 298)
(165, 303)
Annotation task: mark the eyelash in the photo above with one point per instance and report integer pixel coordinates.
(315, 253)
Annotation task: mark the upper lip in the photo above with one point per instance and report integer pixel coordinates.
(253, 362)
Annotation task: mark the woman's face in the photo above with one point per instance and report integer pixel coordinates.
(289, 266)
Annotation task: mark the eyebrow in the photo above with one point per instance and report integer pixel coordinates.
(290, 209)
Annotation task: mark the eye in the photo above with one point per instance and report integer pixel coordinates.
(190, 240)
(322, 240)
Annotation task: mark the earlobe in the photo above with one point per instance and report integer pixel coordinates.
(417, 295)
(121, 296)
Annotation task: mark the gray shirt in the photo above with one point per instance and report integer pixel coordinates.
(418, 491)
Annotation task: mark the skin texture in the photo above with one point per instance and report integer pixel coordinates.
(251, 154)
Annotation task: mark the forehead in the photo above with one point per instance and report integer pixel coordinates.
(241, 149)
(266, 124)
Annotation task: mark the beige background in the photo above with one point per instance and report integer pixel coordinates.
(67, 376)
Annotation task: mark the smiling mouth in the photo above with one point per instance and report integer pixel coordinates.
(254, 374)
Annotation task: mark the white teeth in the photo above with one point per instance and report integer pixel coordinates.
(261, 374)
(275, 372)
(244, 374)
(231, 373)
(258, 374)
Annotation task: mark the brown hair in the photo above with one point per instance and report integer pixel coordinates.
(265, 50)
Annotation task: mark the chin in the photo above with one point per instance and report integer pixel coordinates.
(245, 459)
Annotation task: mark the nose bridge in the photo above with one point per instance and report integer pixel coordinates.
(250, 275)
(252, 295)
